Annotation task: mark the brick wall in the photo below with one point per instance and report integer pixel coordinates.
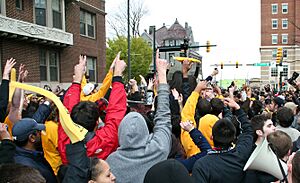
(26, 14)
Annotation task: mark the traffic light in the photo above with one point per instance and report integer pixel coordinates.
(207, 46)
(279, 56)
(222, 65)
(236, 64)
(184, 47)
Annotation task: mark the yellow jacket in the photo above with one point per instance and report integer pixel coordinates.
(50, 144)
(205, 126)
(102, 91)
(188, 113)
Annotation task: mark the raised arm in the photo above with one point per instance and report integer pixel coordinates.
(4, 88)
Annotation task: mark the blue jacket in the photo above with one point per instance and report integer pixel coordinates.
(42, 113)
(35, 159)
(202, 144)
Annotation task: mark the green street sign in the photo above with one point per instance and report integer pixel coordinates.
(261, 64)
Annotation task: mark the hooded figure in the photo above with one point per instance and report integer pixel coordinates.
(169, 171)
(139, 150)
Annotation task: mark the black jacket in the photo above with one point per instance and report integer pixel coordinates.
(227, 166)
(7, 151)
(35, 159)
(4, 93)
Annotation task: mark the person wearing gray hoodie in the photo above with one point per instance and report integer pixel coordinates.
(138, 150)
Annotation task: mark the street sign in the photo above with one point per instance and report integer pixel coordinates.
(261, 64)
(273, 64)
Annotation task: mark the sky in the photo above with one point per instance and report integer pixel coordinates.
(233, 25)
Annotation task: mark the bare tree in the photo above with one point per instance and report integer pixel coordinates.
(118, 21)
(295, 36)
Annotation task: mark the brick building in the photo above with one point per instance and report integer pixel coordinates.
(278, 20)
(49, 35)
(174, 36)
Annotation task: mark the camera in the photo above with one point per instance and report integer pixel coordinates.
(292, 80)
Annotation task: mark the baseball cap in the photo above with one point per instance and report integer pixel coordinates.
(24, 127)
(291, 105)
(88, 88)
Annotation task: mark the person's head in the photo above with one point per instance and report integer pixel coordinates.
(270, 105)
(285, 117)
(281, 143)
(86, 114)
(168, 171)
(16, 173)
(296, 168)
(223, 133)
(204, 107)
(257, 107)
(27, 132)
(175, 121)
(100, 172)
(176, 81)
(217, 106)
(278, 102)
(292, 106)
(262, 126)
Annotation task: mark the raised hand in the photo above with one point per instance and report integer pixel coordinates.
(231, 103)
(120, 66)
(186, 66)
(187, 126)
(22, 73)
(150, 84)
(200, 86)
(8, 66)
(143, 80)
(3, 132)
(112, 66)
(79, 69)
(162, 66)
(175, 93)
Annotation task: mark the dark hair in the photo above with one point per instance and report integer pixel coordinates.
(176, 81)
(95, 168)
(175, 121)
(85, 114)
(16, 173)
(280, 143)
(257, 107)
(258, 123)
(268, 101)
(21, 143)
(204, 107)
(296, 168)
(285, 116)
(217, 106)
(223, 133)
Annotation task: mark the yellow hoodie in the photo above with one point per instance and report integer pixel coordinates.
(101, 92)
(205, 126)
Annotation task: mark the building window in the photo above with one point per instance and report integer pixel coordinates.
(19, 4)
(284, 53)
(274, 72)
(2, 7)
(274, 8)
(284, 38)
(49, 61)
(40, 12)
(274, 38)
(285, 8)
(87, 24)
(172, 42)
(49, 13)
(274, 23)
(91, 69)
(274, 53)
(285, 71)
(56, 14)
(284, 23)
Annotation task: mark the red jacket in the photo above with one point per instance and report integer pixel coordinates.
(105, 140)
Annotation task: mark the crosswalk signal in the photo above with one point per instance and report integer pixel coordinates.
(208, 46)
(279, 56)
(236, 64)
(222, 65)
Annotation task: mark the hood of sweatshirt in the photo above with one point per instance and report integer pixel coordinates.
(133, 131)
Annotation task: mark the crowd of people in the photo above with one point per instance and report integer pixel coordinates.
(181, 130)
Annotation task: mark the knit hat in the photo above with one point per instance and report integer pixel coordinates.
(88, 88)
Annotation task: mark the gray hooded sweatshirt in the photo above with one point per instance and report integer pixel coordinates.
(139, 150)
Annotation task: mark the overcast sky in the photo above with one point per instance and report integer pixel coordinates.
(233, 25)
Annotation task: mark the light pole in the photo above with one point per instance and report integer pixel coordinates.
(154, 48)
(128, 40)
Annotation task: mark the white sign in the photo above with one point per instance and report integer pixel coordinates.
(273, 63)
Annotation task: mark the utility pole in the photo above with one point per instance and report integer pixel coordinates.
(154, 48)
(128, 40)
